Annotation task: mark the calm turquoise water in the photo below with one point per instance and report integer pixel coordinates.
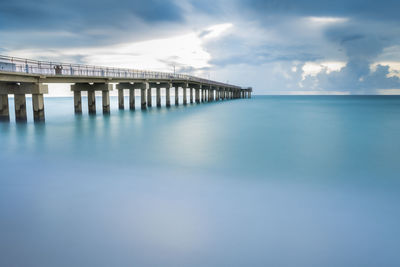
(271, 181)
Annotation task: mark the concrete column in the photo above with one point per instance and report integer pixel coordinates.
(203, 95)
(132, 99)
(149, 100)
(106, 102)
(78, 102)
(197, 91)
(191, 95)
(20, 107)
(38, 107)
(4, 109)
(168, 96)
(121, 104)
(92, 102)
(184, 95)
(176, 95)
(158, 96)
(143, 93)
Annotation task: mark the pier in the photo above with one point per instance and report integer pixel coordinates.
(20, 77)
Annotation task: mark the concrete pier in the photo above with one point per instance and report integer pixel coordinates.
(26, 78)
(132, 99)
(143, 93)
(168, 95)
(20, 107)
(20, 90)
(176, 95)
(149, 97)
(78, 102)
(121, 99)
(158, 96)
(38, 107)
(132, 87)
(91, 89)
(184, 87)
(91, 96)
(4, 108)
(106, 102)
(197, 93)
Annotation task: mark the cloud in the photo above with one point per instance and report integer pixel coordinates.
(275, 40)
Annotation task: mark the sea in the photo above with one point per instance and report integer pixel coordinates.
(267, 181)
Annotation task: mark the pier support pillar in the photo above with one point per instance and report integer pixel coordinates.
(168, 96)
(38, 107)
(149, 96)
(121, 104)
(158, 96)
(4, 108)
(20, 107)
(92, 102)
(143, 101)
(78, 102)
(106, 102)
(197, 92)
(176, 95)
(191, 95)
(132, 99)
(184, 95)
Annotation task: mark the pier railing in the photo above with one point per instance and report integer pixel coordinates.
(21, 65)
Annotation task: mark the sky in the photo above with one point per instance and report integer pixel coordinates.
(277, 47)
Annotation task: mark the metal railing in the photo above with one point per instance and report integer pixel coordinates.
(21, 65)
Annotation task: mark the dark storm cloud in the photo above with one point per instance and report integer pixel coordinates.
(78, 14)
(372, 9)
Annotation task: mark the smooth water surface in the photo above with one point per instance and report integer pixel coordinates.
(270, 181)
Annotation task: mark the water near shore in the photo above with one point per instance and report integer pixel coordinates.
(271, 181)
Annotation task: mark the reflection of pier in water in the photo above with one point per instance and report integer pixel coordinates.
(19, 77)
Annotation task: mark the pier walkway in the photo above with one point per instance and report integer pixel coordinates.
(20, 77)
